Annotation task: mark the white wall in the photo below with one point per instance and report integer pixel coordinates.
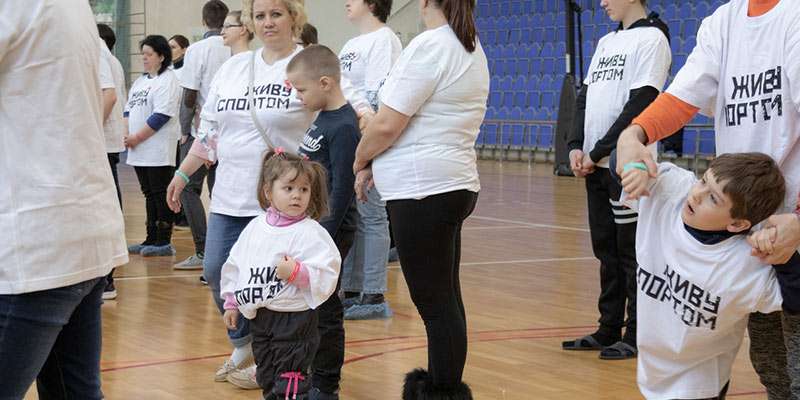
(170, 17)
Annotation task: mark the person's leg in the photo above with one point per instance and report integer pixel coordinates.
(192, 205)
(72, 371)
(160, 178)
(791, 338)
(295, 341)
(30, 324)
(150, 212)
(329, 359)
(625, 220)
(211, 177)
(376, 242)
(223, 231)
(768, 354)
(611, 302)
(110, 291)
(426, 233)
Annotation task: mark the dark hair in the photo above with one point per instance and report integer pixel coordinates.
(180, 40)
(309, 35)
(238, 15)
(160, 45)
(275, 165)
(214, 13)
(753, 182)
(316, 61)
(107, 34)
(459, 14)
(380, 8)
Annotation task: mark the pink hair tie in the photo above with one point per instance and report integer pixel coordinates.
(279, 151)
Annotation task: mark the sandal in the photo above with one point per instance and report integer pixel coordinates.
(619, 351)
(587, 342)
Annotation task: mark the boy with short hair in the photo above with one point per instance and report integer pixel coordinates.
(331, 140)
(697, 282)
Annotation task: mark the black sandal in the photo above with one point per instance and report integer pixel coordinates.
(587, 342)
(619, 351)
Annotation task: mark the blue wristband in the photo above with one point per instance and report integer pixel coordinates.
(634, 165)
(182, 175)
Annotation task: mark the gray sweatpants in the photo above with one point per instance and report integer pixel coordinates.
(775, 353)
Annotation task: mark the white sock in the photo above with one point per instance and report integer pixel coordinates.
(242, 354)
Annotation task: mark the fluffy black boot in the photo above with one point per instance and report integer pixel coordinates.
(419, 386)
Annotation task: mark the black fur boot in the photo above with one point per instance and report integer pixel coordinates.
(419, 386)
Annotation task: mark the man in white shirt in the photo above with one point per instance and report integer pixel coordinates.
(112, 82)
(201, 62)
(61, 221)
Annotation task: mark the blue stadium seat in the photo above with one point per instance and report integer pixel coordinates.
(526, 35)
(671, 11)
(538, 34)
(508, 99)
(534, 100)
(520, 99)
(533, 83)
(483, 9)
(702, 10)
(548, 99)
(688, 45)
(550, 34)
(505, 8)
(527, 7)
(506, 84)
(529, 114)
(495, 98)
(689, 145)
(707, 145)
(545, 136)
(515, 36)
(517, 135)
(675, 44)
(690, 27)
(686, 10)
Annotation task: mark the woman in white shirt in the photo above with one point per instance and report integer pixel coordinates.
(150, 114)
(421, 146)
(230, 136)
(366, 61)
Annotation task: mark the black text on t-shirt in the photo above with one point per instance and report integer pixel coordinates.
(347, 60)
(693, 305)
(270, 96)
(263, 284)
(610, 68)
(139, 98)
(755, 97)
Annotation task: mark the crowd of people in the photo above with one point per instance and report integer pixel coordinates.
(308, 156)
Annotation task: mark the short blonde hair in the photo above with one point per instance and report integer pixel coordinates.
(296, 8)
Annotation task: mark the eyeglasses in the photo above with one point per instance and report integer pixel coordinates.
(226, 26)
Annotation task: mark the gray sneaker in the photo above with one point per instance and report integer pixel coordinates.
(194, 262)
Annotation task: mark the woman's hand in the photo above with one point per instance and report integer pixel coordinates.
(636, 181)
(174, 191)
(784, 242)
(364, 183)
(132, 141)
(230, 317)
(364, 117)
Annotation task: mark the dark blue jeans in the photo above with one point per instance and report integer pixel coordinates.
(53, 336)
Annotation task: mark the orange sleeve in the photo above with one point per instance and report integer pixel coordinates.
(757, 8)
(665, 116)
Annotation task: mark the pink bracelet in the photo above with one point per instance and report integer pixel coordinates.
(294, 272)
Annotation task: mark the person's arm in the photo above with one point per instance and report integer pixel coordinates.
(639, 100)
(109, 99)
(384, 129)
(341, 152)
(187, 112)
(575, 139)
(155, 122)
(788, 275)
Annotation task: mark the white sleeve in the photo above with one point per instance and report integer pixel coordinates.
(321, 259)
(654, 58)
(192, 70)
(356, 99)
(13, 17)
(770, 298)
(413, 79)
(698, 80)
(104, 70)
(665, 189)
(229, 277)
(167, 96)
(207, 131)
(379, 63)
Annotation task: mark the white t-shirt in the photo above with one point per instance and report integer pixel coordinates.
(624, 60)
(201, 62)
(366, 61)
(59, 213)
(113, 77)
(226, 118)
(693, 299)
(250, 271)
(443, 88)
(744, 71)
(160, 94)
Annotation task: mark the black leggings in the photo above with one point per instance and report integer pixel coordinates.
(154, 182)
(428, 237)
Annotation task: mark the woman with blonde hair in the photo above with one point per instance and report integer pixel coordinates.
(235, 34)
(250, 109)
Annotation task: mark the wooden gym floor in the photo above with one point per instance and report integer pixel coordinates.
(529, 281)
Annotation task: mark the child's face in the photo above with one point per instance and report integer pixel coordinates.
(311, 92)
(616, 9)
(356, 10)
(290, 194)
(708, 208)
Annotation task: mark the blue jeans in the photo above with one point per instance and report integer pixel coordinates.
(223, 231)
(364, 268)
(53, 336)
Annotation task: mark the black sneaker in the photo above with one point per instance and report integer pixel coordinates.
(203, 280)
(110, 292)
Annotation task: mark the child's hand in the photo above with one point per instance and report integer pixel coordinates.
(763, 241)
(634, 182)
(285, 268)
(230, 318)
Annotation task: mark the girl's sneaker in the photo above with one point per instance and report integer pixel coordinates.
(158, 251)
(368, 311)
(137, 248)
(244, 378)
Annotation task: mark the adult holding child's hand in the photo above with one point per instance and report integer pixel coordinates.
(631, 148)
(777, 240)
